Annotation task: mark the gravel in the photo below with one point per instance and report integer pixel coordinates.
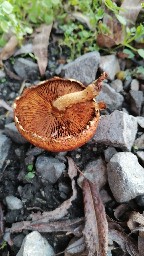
(110, 65)
(49, 168)
(84, 68)
(125, 176)
(35, 245)
(112, 99)
(118, 130)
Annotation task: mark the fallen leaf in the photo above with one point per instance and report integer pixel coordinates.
(121, 210)
(9, 49)
(51, 226)
(130, 10)
(124, 241)
(96, 227)
(114, 36)
(11, 74)
(40, 46)
(135, 220)
(62, 210)
(75, 247)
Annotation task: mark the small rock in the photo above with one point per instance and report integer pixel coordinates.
(110, 65)
(13, 203)
(140, 155)
(2, 74)
(140, 120)
(136, 100)
(35, 245)
(5, 144)
(25, 68)
(49, 168)
(112, 99)
(134, 85)
(118, 130)
(108, 153)
(84, 68)
(95, 171)
(34, 151)
(18, 239)
(105, 196)
(139, 142)
(117, 85)
(125, 176)
(12, 132)
(24, 49)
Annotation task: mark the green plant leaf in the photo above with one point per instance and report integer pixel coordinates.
(30, 167)
(121, 19)
(141, 52)
(129, 53)
(7, 7)
(30, 175)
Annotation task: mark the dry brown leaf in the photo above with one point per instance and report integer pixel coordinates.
(115, 35)
(96, 227)
(125, 243)
(75, 247)
(40, 46)
(62, 210)
(135, 220)
(11, 74)
(52, 226)
(9, 49)
(121, 210)
(130, 10)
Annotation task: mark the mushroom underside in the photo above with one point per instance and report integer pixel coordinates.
(44, 126)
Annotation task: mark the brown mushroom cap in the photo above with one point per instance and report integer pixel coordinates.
(47, 127)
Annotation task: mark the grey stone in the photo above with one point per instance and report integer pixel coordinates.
(110, 65)
(24, 49)
(12, 132)
(109, 152)
(13, 203)
(5, 144)
(118, 129)
(95, 171)
(139, 142)
(35, 245)
(140, 120)
(24, 67)
(84, 68)
(134, 85)
(125, 176)
(136, 101)
(140, 155)
(2, 74)
(117, 85)
(49, 168)
(112, 99)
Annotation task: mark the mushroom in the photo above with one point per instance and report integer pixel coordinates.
(58, 114)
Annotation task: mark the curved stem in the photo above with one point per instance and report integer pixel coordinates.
(91, 91)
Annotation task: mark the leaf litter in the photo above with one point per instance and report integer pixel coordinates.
(40, 46)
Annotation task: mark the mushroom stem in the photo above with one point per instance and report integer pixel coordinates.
(91, 91)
